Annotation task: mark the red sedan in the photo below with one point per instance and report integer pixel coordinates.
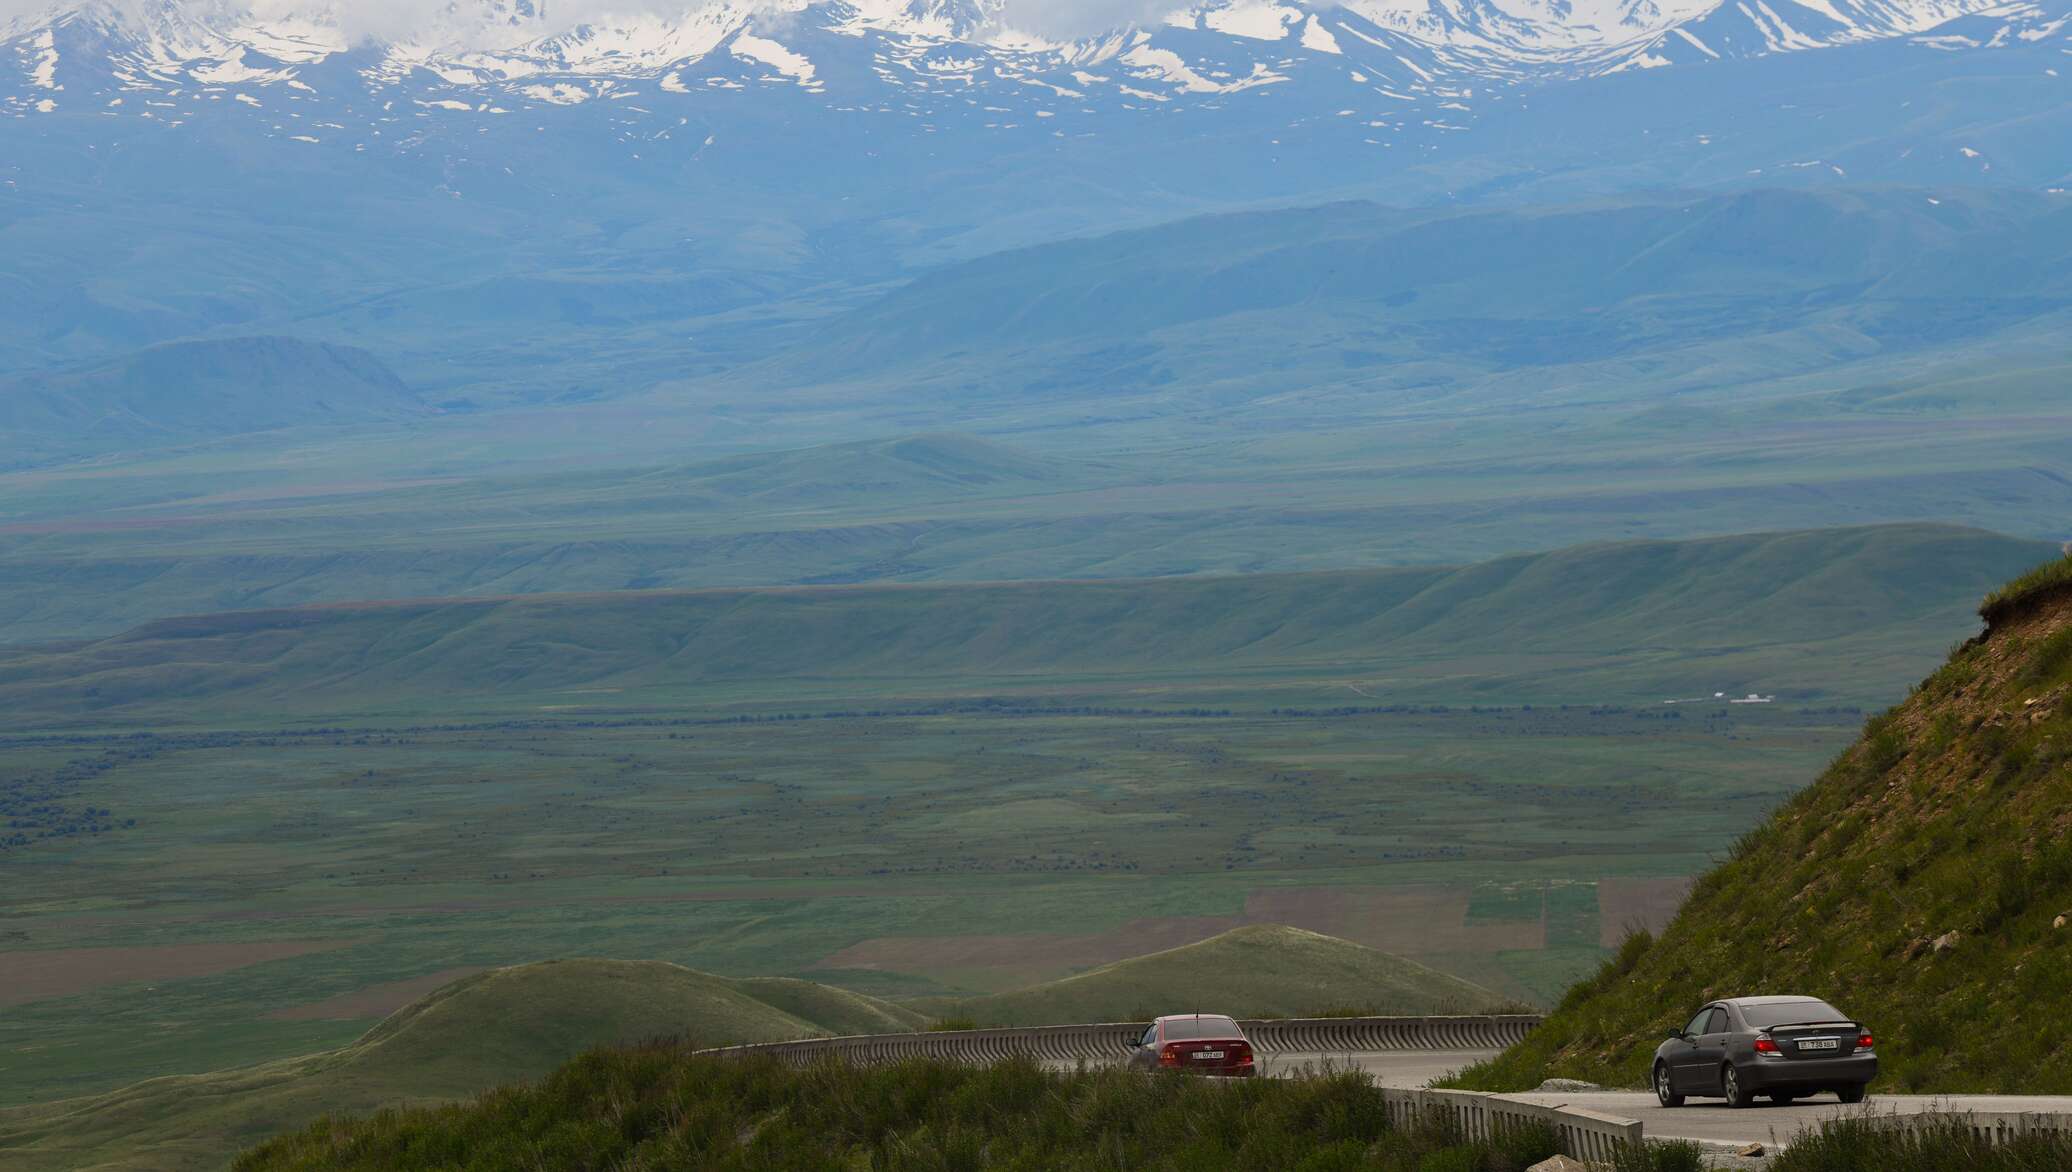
(1199, 1043)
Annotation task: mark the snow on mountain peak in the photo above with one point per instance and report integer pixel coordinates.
(537, 51)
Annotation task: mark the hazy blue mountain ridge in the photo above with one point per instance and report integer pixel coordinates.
(571, 247)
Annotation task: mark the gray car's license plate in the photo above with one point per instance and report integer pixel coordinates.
(1208, 1053)
(1819, 1044)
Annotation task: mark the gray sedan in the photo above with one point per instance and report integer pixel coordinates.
(1782, 1047)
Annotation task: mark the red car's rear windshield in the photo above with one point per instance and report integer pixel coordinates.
(1187, 1029)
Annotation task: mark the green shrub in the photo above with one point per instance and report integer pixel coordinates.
(1860, 1144)
(664, 1107)
(1656, 1156)
(2051, 659)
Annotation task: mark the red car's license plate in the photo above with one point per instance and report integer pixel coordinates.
(1208, 1053)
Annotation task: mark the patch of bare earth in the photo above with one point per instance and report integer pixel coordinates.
(1628, 905)
(62, 972)
(1405, 921)
(373, 1001)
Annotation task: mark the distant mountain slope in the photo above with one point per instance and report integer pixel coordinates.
(886, 470)
(1824, 605)
(496, 1027)
(1260, 971)
(1796, 279)
(1923, 884)
(193, 390)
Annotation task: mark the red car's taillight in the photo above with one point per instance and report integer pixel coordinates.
(1864, 1041)
(1172, 1054)
(1766, 1046)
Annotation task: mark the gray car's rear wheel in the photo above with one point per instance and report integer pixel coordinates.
(1784, 1098)
(1664, 1092)
(1738, 1094)
(1853, 1093)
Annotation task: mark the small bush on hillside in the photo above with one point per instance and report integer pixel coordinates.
(951, 1025)
(2052, 659)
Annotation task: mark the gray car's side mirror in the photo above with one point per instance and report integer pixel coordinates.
(1678, 1035)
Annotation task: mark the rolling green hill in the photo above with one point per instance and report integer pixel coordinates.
(516, 1024)
(1807, 615)
(496, 1027)
(1924, 885)
(1259, 971)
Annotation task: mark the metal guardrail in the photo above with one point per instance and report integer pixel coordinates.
(1373, 1035)
(1111, 1042)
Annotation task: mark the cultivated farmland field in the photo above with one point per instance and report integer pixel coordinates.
(261, 894)
(250, 836)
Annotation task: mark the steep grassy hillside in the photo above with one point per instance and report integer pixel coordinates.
(1924, 884)
(496, 1027)
(1263, 971)
(190, 390)
(1821, 615)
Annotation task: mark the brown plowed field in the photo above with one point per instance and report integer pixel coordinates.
(62, 972)
(1625, 904)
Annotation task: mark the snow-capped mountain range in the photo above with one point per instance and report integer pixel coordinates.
(162, 59)
(181, 168)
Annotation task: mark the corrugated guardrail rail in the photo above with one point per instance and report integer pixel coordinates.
(1111, 1041)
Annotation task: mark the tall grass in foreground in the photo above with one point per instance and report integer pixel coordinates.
(1860, 1144)
(661, 1107)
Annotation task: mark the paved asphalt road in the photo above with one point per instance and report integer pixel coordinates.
(1710, 1120)
(1767, 1123)
(1399, 1068)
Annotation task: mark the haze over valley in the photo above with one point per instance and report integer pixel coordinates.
(526, 528)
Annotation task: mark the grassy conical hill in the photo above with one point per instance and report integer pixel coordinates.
(486, 1030)
(536, 1016)
(1924, 884)
(831, 1010)
(1258, 971)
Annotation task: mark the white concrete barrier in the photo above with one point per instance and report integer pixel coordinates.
(1995, 1127)
(1587, 1135)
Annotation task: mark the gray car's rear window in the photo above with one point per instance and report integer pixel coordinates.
(1187, 1029)
(1790, 1013)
